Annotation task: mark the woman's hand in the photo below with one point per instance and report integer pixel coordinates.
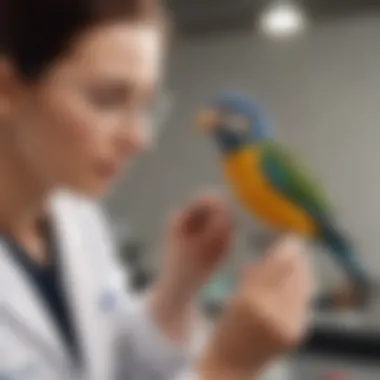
(198, 240)
(268, 316)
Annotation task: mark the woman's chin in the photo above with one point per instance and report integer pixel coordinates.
(95, 189)
(97, 186)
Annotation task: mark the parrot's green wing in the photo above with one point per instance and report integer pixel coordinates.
(288, 177)
(286, 174)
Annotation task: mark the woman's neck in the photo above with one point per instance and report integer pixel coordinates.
(22, 202)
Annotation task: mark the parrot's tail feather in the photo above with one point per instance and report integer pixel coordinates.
(345, 256)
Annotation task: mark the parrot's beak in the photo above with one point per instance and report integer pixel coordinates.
(207, 120)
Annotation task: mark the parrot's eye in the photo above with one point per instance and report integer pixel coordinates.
(236, 123)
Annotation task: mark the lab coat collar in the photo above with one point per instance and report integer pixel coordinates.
(25, 311)
(81, 284)
(23, 303)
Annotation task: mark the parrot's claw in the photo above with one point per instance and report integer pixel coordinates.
(260, 242)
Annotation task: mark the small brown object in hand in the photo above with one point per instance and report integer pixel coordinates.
(197, 219)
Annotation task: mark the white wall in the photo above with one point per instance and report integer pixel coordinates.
(323, 94)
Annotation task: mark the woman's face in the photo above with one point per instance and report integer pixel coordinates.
(88, 116)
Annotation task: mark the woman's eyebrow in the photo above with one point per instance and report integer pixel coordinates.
(127, 85)
(118, 85)
(118, 81)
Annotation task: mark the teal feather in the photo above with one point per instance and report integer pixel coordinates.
(290, 180)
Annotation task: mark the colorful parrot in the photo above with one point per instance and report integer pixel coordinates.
(272, 185)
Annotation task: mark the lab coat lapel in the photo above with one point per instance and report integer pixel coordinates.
(82, 289)
(24, 311)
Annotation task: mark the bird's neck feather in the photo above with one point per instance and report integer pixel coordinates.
(252, 144)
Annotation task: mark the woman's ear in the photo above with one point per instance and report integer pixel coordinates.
(9, 88)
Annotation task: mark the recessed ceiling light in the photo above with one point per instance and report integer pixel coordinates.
(283, 19)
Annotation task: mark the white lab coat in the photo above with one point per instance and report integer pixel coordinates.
(119, 339)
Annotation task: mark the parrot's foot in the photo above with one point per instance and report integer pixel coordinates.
(260, 242)
(346, 298)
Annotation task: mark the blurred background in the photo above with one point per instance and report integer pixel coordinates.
(315, 67)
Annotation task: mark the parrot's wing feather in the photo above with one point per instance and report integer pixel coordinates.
(284, 172)
(293, 181)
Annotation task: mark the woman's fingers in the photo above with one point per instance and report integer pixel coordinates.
(202, 234)
(282, 280)
(269, 314)
(207, 217)
(279, 265)
(299, 287)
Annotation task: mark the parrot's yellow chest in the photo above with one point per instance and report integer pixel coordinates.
(256, 193)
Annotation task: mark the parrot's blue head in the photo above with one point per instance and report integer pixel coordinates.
(235, 122)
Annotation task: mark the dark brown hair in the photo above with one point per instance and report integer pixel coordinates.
(34, 33)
